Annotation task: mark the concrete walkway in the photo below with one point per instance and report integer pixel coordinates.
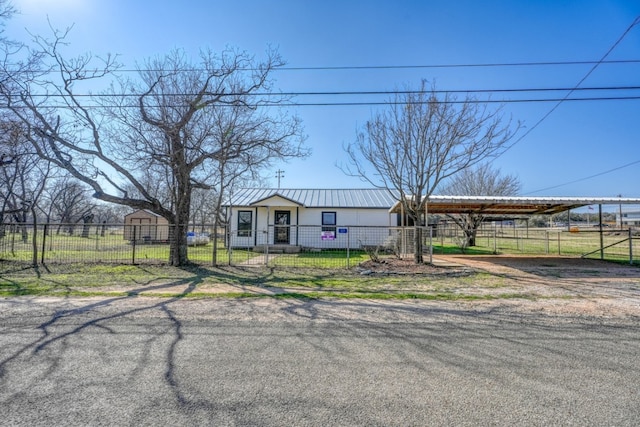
(258, 261)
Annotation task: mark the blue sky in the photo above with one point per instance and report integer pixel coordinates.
(576, 141)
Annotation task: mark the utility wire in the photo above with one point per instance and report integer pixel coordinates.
(342, 93)
(364, 103)
(585, 178)
(496, 64)
(566, 98)
(406, 67)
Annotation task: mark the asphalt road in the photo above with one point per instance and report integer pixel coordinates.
(136, 361)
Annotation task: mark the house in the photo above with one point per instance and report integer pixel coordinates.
(628, 217)
(295, 219)
(145, 226)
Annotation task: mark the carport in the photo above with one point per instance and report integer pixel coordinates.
(516, 206)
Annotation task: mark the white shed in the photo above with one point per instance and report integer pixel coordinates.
(146, 226)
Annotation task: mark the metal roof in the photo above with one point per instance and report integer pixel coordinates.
(370, 198)
(513, 205)
(374, 198)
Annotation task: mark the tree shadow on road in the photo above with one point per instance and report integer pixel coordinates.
(55, 329)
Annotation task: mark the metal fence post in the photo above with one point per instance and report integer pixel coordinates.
(133, 245)
(546, 242)
(630, 246)
(403, 243)
(430, 245)
(44, 242)
(229, 236)
(348, 245)
(266, 247)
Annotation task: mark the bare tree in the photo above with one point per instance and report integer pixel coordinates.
(69, 203)
(424, 137)
(163, 123)
(22, 178)
(14, 171)
(482, 180)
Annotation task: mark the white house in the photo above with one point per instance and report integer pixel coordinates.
(310, 218)
(630, 217)
(293, 219)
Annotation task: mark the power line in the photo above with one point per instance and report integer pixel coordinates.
(343, 93)
(373, 67)
(481, 65)
(566, 98)
(365, 103)
(406, 67)
(485, 101)
(585, 178)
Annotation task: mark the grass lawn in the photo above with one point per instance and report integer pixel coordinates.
(79, 280)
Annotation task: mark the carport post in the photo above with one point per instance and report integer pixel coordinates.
(495, 243)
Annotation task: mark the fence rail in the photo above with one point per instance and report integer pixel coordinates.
(295, 246)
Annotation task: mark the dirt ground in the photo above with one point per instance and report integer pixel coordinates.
(549, 286)
(559, 285)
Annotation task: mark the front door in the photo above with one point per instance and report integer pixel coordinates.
(281, 230)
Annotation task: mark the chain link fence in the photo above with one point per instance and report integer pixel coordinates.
(297, 246)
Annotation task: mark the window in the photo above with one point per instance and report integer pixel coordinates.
(328, 220)
(245, 223)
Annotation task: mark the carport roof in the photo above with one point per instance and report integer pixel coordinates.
(513, 205)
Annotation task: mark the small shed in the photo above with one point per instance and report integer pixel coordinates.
(146, 226)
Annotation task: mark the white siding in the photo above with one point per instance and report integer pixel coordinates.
(306, 226)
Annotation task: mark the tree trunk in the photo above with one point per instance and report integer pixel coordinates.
(471, 237)
(87, 221)
(178, 246)
(418, 247)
